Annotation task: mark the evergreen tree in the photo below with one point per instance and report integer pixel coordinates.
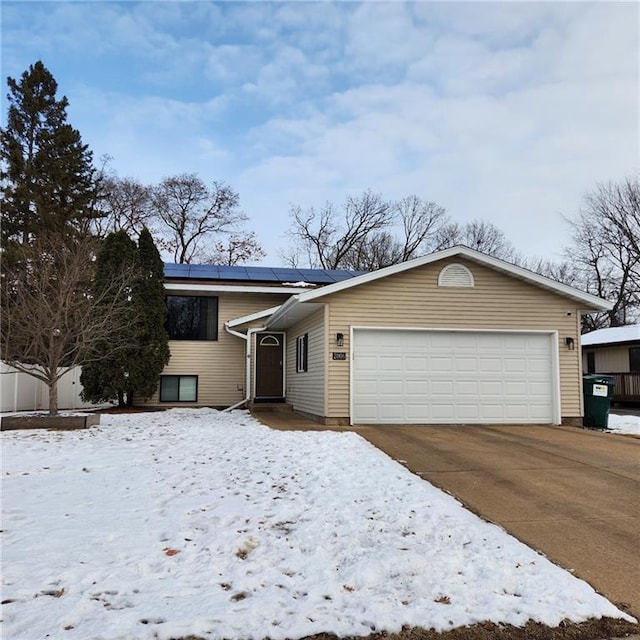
(150, 310)
(48, 182)
(106, 378)
(136, 369)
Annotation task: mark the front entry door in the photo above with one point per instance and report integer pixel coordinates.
(269, 366)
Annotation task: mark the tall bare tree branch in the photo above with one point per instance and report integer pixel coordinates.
(193, 214)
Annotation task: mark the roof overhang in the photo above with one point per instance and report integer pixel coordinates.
(612, 336)
(227, 288)
(292, 312)
(252, 317)
(585, 301)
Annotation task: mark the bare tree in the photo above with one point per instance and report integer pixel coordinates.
(193, 214)
(415, 225)
(605, 235)
(367, 233)
(125, 203)
(479, 235)
(236, 249)
(563, 271)
(50, 322)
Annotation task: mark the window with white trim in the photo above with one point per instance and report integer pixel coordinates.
(302, 348)
(178, 388)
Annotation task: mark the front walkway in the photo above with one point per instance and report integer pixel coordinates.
(571, 493)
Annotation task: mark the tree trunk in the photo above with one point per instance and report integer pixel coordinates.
(53, 398)
(121, 398)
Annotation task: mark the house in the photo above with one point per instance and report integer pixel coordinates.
(615, 351)
(454, 337)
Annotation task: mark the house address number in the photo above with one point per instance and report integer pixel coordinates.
(339, 355)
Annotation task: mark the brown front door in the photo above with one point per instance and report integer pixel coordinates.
(269, 366)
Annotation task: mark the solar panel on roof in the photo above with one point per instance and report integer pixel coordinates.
(265, 274)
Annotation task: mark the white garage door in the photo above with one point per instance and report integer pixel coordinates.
(456, 377)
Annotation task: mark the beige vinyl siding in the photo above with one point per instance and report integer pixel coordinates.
(609, 359)
(219, 365)
(305, 390)
(413, 299)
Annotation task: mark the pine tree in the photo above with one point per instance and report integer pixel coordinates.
(105, 377)
(150, 311)
(48, 181)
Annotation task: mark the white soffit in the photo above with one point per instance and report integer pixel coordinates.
(225, 288)
(258, 315)
(289, 314)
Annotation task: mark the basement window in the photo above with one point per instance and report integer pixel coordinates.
(178, 388)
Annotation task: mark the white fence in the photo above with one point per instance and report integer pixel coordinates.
(22, 392)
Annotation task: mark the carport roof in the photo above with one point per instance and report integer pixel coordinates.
(297, 307)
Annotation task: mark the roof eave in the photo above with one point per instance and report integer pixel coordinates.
(592, 303)
(252, 317)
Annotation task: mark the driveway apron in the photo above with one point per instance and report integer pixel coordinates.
(572, 494)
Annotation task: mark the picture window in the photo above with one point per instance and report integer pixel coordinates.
(192, 317)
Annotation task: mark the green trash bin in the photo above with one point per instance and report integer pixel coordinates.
(598, 393)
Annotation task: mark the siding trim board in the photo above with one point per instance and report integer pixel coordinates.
(554, 365)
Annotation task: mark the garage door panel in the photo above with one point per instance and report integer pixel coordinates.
(515, 388)
(390, 363)
(415, 363)
(538, 365)
(442, 387)
(515, 365)
(443, 412)
(451, 377)
(490, 365)
(419, 388)
(465, 364)
(417, 413)
(468, 412)
(491, 388)
(393, 388)
(467, 388)
(438, 364)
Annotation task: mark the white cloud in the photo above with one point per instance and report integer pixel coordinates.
(504, 111)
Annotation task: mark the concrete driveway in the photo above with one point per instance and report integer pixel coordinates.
(571, 493)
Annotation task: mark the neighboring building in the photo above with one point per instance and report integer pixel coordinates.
(615, 351)
(22, 392)
(453, 337)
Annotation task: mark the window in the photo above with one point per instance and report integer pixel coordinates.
(302, 346)
(634, 359)
(192, 318)
(591, 361)
(178, 388)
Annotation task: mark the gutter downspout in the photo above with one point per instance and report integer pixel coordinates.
(247, 338)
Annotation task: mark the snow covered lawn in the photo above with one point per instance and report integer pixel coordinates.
(624, 424)
(196, 522)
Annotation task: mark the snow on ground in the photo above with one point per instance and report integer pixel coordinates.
(198, 522)
(624, 424)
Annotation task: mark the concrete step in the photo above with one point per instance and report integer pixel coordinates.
(271, 407)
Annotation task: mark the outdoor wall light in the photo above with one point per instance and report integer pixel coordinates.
(570, 342)
(340, 339)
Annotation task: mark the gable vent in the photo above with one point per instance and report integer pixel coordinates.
(455, 275)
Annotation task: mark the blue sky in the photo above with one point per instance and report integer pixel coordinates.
(507, 112)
